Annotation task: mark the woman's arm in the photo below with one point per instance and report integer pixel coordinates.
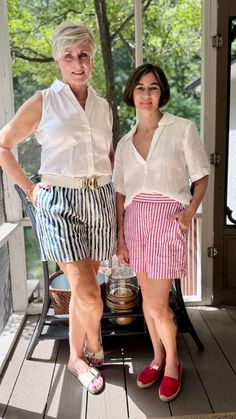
(185, 217)
(112, 157)
(20, 127)
(122, 252)
(199, 191)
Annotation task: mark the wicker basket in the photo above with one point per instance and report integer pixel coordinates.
(60, 293)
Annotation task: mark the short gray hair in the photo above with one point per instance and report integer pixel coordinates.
(68, 33)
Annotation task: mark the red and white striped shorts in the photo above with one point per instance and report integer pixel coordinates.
(156, 246)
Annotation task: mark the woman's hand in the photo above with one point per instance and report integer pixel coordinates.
(122, 252)
(184, 218)
(33, 192)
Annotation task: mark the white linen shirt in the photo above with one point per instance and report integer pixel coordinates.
(175, 157)
(75, 141)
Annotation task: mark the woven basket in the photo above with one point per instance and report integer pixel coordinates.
(60, 293)
(60, 297)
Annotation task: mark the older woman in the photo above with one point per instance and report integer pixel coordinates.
(74, 202)
(154, 163)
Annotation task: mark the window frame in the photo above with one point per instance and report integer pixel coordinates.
(11, 231)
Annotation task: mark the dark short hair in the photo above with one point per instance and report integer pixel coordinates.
(135, 77)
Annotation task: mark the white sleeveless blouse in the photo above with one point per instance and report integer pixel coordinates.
(75, 142)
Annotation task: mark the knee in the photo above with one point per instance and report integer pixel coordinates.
(88, 298)
(158, 311)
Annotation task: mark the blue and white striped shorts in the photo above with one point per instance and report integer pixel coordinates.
(74, 224)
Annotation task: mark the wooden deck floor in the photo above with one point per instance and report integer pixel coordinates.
(43, 388)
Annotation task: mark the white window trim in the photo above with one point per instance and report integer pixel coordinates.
(11, 231)
(6, 230)
(208, 88)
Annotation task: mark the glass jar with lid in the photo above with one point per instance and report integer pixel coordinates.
(122, 293)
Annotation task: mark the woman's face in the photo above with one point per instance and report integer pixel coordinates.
(147, 93)
(75, 64)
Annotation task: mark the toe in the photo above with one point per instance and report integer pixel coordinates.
(96, 385)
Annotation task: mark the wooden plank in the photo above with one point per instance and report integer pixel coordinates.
(192, 397)
(217, 376)
(9, 336)
(142, 403)
(223, 328)
(67, 398)
(231, 415)
(13, 366)
(111, 403)
(232, 312)
(30, 393)
(44, 385)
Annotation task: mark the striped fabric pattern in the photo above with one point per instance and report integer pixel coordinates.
(156, 246)
(74, 224)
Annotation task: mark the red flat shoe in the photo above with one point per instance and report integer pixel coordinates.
(150, 374)
(170, 386)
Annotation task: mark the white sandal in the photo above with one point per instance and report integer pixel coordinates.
(95, 359)
(87, 377)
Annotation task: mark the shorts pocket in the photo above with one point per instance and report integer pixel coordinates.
(45, 198)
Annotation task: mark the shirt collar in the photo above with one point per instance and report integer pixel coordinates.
(58, 85)
(167, 119)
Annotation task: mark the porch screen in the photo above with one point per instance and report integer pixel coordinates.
(5, 287)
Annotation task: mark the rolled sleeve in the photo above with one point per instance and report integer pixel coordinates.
(195, 154)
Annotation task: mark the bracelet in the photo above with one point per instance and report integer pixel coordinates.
(28, 193)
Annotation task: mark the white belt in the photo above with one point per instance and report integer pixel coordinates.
(91, 182)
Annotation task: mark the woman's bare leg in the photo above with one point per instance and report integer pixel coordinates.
(158, 347)
(86, 309)
(155, 295)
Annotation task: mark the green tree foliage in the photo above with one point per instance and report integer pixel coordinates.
(174, 39)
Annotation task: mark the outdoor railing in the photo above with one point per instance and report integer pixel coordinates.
(191, 285)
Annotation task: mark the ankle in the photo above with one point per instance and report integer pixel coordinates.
(98, 349)
(159, 357)
(171, 369)
(157, 361)
(94, 347)
(79, 364)
(76, 356)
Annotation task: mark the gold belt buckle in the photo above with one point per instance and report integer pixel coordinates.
(92, 182)
(84, 182)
